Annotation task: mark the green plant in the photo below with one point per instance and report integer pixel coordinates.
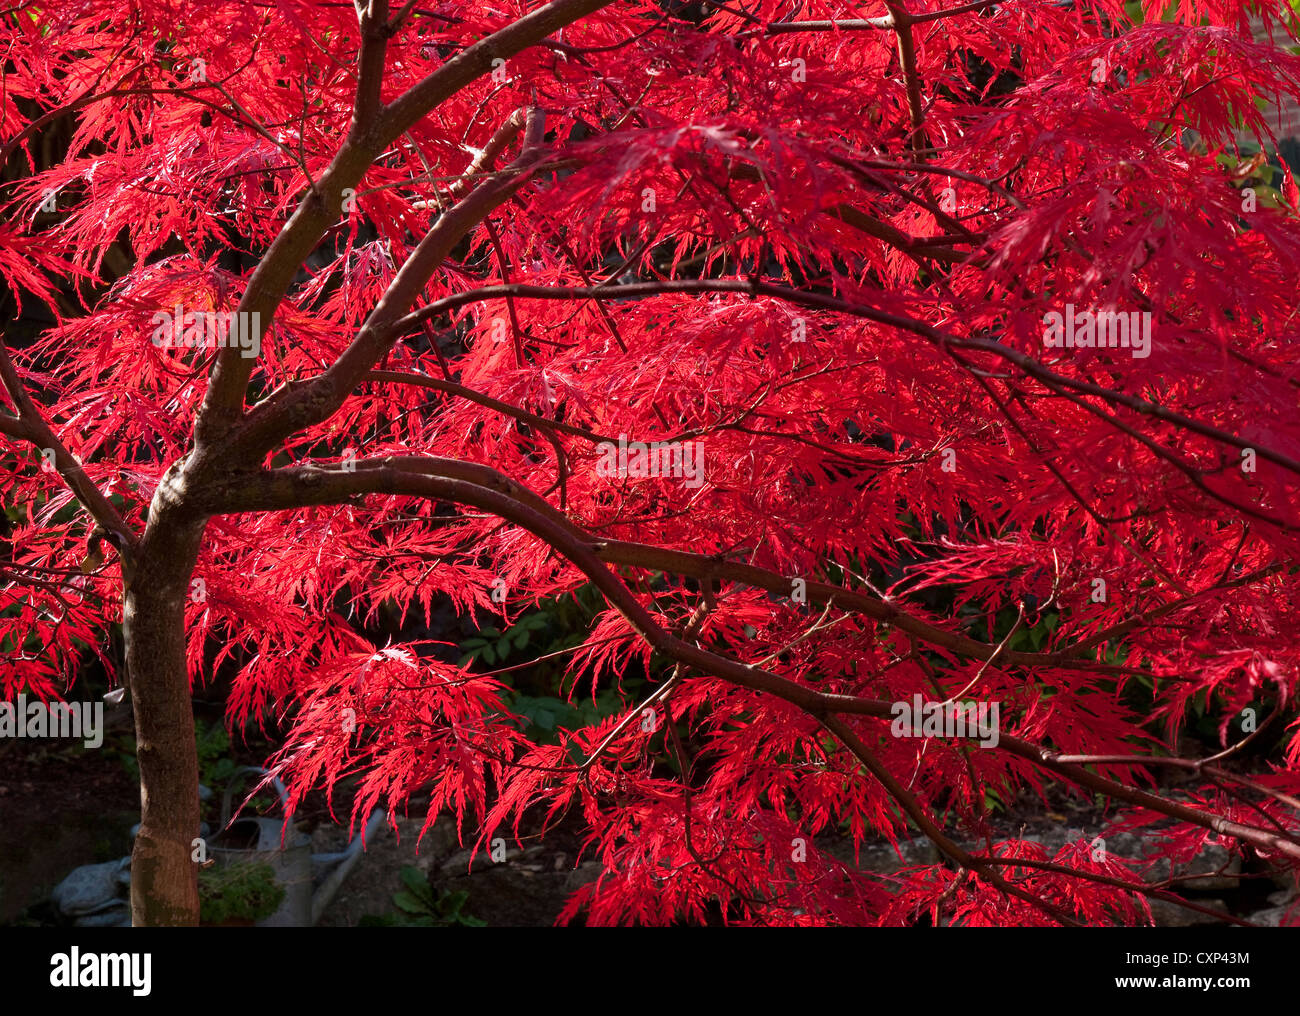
(419, 907)
(555, 624)
(215, 765)
(493, 646)
(238, 892)
(547, 713)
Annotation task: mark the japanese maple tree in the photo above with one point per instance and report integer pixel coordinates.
(840, 347)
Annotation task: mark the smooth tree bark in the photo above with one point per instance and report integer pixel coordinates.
(164, 886)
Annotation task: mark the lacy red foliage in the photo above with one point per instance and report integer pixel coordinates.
(832, 269)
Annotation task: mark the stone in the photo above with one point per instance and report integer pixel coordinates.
(1169, 915)
(1276, 917)
(90, 888)
(115, 915)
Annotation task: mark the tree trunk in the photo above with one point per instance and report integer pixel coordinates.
(164, 878)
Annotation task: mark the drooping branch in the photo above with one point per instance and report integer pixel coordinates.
(329, 481)
(823, 301)
(30, 425)
(303, 486)
(1156, 890)
(908, 802)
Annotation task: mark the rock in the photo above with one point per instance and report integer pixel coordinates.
(1213, 861)
(586, 872)
(1218, 869)
(1276, 917)
(1217, 882)
(508, 895)
(1169, 915)
(115, 915)
(881, 857)
(467, 862)
(90, 888)
(440, 839)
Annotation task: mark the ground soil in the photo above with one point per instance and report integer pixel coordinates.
(62, 806)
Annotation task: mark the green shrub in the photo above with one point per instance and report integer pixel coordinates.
(238, 892)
